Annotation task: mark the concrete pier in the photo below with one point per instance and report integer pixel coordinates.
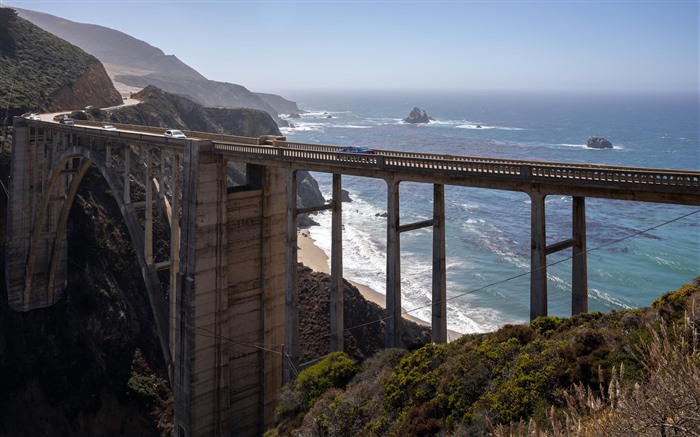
(228, 320)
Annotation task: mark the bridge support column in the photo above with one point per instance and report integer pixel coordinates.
(32, 223)
(337, 288)
(127, 174)
(579, 268)
(148, 231)
(19, 219)
(174, 247)
(439, 308)
(201, 382)
(291, 337)
(393, 267)
(538, 257)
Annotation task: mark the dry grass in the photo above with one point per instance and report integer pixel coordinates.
(666, 404)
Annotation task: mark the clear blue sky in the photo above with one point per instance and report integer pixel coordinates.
(274, 46)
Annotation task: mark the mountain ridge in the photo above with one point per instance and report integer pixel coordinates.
(43, 73)
(149, 65)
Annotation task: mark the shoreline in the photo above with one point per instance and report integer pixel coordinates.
(309, 254)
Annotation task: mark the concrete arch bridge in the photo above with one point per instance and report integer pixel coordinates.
(232, 255)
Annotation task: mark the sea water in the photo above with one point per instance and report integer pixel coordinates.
(637, 251)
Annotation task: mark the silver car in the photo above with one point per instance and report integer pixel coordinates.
(173, 133)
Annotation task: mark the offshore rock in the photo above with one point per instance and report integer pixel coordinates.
(599, 143)
(417, 115)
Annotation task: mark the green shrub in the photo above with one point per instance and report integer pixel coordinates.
(545, 325)
(522, 333)
(334, 371)
(143, 386)
(672, 305)
(523, 384)
(416, 378)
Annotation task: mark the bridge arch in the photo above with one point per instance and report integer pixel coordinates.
(87, 159)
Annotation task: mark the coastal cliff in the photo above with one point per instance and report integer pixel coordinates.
(43, 73)
(135, 64)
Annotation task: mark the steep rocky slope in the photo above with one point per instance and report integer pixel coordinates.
(40, 72)
(160, 108)
(91, 364)
(137, 64)
(111, 46)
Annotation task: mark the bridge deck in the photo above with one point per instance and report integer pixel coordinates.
(234, 273)
(586, 180)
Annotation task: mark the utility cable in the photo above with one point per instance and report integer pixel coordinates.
(619, 240)
(212, 334)
(4, 188)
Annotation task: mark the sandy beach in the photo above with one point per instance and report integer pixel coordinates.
(313, 257)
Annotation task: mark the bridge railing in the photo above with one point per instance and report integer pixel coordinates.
(276, 148)
(617, 176)
(529, 171)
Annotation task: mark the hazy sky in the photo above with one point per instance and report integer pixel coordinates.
(274, 46)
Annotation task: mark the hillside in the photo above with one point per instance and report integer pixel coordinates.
(160, 108)
(110, 46)
(628, 373)
(41, 72)
(134, 64)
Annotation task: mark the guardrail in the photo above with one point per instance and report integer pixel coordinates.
(529, 171)
(276, 148)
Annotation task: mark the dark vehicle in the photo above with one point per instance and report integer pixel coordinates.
(356, 149)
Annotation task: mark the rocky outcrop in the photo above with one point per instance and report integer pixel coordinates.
(417, 115)
(93, 88)
(308, 195)
(362, 342)
(208, 93)
(41, 72)
(599, 143)
(161, 108)
(281, 105)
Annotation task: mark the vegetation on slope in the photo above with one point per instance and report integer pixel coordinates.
(35, 65)
(554, 377)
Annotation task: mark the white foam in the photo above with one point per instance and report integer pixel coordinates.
(351, 126)
(364, 261)
(578, 146)
(477, 126)
(606, 298)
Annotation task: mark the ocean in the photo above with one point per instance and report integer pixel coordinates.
(637, 251)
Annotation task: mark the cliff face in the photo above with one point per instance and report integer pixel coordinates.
(92, 88)
(90, 365)
(160, 108)
(135, 63)
(41, 72)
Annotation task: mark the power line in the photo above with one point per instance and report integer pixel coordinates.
(269, 349)
(619, 240)
(287, 357)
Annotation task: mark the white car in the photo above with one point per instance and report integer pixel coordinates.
(34, 117)
(173, 133)
(109, 127)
